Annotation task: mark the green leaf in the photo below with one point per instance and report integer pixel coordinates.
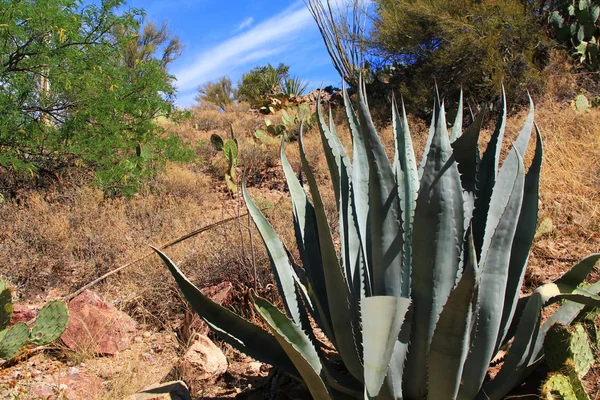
(524, 235)
(338, 292)
(487, 172)
(282, 269)
(297, 346)
(382, 318)
(239, 333)
(307, 240)
(504, 209)
(384, 219)
(437, 244)
(407, 177)
(450, 342)
(458, 121)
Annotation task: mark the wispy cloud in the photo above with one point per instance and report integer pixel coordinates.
(268, 37)
(245, 24)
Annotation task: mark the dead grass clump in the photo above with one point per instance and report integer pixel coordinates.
(180, 181)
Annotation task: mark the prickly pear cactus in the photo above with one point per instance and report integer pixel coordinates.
(568, 343)
(6, 307)
(50, 323)
(564, 385)
(13, 340)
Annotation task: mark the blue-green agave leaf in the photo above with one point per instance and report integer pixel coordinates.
(407, 177)
(345, 330)
(466, 151)
(382, 318)
(437, 242)
(282, 269)
(450, 342)
(297, 346)
(385, 234)
(487, 172)
(307, 238)
(523, 239)
(360, 192)
(458, 121)
(239, 333)
(504, 209)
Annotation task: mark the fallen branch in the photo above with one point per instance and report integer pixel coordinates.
(162, 247)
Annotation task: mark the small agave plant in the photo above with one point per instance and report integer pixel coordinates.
(424, 289)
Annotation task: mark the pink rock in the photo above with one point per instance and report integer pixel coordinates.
(22, 313)
(74, 385)
(97, 326)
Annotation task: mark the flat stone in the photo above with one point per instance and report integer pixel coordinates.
(97, 326)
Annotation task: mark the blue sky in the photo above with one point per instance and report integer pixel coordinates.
(231, 37)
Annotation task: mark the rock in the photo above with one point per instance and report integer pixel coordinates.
(22, 313)
(97, 326)
(203, 363)
(75, 385)
(174, 390)
(194, 324)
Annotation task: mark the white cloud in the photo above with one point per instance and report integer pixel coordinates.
(265, 38)
(245, 23)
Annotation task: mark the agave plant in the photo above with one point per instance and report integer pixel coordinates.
(423, 291)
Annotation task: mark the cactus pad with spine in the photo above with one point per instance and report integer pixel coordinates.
(564, 385)
(565, 343)
(6, 306)
(51, 322)
(13, 340)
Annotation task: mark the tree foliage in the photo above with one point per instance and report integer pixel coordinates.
(79, 86)
(478, 45)
(220, 93)
(260, 83)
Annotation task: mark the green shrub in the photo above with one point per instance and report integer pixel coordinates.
(81, 85)
(424, 290)
(479, 45)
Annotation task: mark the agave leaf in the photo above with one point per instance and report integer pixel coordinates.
(239, 333)
(341, 169)
(458, 121)
(466, 150)
(345, 329)
(487, 172)
(504, 209)
(517, 363)
(437, 106)
(382, 318)
(282, 269)
(450, 342)
(523, 239)
(384, 224)
(297, 346)
(407, 177)
(307, 239)
(437, 244)
(360, 191)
